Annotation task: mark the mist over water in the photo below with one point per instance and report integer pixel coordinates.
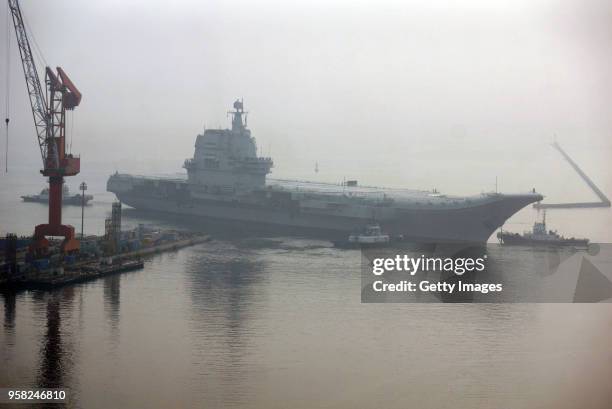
(275, 321)
(414, 94)
(419, 93)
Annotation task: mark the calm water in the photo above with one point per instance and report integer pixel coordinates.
(277, 323)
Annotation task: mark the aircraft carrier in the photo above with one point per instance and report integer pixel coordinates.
(226, 180)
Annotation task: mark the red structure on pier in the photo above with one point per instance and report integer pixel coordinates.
(49, 112)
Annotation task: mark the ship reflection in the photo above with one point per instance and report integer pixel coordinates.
(112, 298)
(224, 287)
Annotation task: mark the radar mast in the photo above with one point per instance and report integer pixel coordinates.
(237, 124)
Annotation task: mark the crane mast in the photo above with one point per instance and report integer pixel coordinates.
(49, 112)
(37, 98)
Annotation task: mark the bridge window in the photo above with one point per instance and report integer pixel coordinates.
(211, 163)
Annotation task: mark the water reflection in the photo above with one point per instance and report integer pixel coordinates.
(55, 360)
(10, 302)
(51, 374)
(223, 282)
(112, 299)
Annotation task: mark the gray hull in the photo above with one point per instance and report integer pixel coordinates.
(468, 224)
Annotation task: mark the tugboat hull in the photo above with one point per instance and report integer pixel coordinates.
(71, 200)
(518, 240)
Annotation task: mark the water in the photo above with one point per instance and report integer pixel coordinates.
(277, 322)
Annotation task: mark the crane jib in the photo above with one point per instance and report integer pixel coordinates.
(49, 113)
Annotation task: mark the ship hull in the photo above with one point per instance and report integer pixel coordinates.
(226, 180)
(72, 200)
(514, 239)
(473, 224)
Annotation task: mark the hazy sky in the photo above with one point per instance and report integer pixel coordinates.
(419, 90)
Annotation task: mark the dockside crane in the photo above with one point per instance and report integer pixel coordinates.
(49, 112)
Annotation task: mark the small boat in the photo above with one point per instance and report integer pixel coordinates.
(67, 199)
(540, 236)
(371, 236)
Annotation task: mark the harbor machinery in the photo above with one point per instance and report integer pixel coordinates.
(49, 113)
(603, 199)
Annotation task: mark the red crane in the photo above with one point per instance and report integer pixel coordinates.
(49, 112)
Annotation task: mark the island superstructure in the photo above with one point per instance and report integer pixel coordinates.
(227, 180)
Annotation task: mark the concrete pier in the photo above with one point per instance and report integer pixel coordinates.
(87, 270)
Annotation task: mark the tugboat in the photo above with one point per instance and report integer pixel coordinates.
(371, 236)
(541, 237)
(43, 197)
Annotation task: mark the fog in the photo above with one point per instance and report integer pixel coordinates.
(422, 94)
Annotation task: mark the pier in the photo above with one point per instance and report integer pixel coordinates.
(41, 274)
